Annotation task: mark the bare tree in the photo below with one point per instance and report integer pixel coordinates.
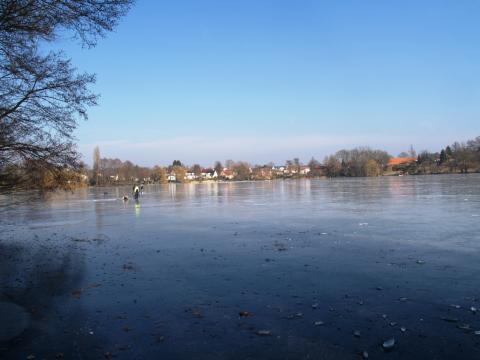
(180, 173)
(242, 170)
(96, 163)
(315, 168)
(229, 163)
(372, 168)
(333, 166)
(353, 161)
(41, 95)
(296, 162)
(463, 156)
(159, 174)
(218, 167)
(197, 170)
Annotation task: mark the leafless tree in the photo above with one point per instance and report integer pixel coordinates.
(218, 167)
(96, 163)
(333, 166)
(242, 170)
(353, 161)
(229, 163)
(315, 168)
(41, 95)
(197, 170)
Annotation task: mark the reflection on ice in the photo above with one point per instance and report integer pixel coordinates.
(43, 224)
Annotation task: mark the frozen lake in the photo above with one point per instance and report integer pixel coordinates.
(322, 269)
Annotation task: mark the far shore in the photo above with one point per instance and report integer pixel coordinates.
(223, 181)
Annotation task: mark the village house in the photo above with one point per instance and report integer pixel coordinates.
(227, 174)
(401, 161)
(262, 173)
(399, 165)
(278, 170)
(209, 174)
(304, 170)
(290, 170)
(191, 176)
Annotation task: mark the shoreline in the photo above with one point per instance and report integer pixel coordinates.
(196, 182)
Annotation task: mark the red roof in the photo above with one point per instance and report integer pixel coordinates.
(401, 160)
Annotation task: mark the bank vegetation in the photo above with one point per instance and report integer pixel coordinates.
(358, 162)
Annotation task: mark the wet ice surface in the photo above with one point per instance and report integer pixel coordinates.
(264, 270)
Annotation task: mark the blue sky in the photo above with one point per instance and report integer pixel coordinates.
(267, 81)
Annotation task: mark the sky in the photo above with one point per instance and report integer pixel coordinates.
(270, 80)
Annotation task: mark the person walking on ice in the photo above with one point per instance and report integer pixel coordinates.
(136, 192)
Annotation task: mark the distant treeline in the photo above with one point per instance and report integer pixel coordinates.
(455, 158)
(358, 162)
(459, 157)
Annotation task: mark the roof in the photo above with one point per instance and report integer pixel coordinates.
(401, 160)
